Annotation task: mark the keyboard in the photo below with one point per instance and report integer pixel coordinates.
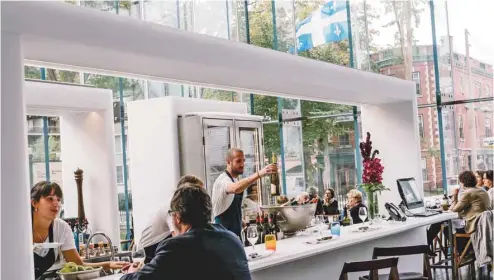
(426, 214)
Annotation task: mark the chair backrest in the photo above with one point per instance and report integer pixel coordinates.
(372, 266)
(405, 251)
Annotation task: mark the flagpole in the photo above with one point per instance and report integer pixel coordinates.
(280, 103)
(247, 39)
(354, 109)
(295, 50)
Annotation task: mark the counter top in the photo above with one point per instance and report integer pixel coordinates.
(295, 248)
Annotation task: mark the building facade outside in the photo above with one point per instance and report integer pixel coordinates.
(458, 124)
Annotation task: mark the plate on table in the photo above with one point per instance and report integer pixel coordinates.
(321, 240)
(366, 228)
(259, 255)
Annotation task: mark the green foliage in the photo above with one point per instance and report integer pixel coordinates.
(31, 72)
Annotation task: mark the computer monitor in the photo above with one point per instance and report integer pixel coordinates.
(410, 194)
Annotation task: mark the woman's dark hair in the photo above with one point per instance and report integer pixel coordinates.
(193, 204)
(480, 172)
(488, 175)
(251, 189)
(331, 191)
(44, 189)
(468, 179)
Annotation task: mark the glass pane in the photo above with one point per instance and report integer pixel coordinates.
(430, 151)
(248, 144)
(468, 139)
(217, 141)
(31, 72)
(62, 76)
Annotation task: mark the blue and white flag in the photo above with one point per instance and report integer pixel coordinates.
(326, 24)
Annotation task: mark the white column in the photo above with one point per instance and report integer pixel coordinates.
(395, 133)
(88, 143)
(16, 245)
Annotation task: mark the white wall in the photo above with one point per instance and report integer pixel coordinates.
(394, 132)
(154, 150)
(87, 142)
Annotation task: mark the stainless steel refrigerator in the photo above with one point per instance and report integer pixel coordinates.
(206, 137)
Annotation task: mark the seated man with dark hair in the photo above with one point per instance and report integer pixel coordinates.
(157, 229)
(200, 250)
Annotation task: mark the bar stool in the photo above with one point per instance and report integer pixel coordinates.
(372, 266)
(423, 250)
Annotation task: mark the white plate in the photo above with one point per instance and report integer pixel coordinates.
(47, 245)
(319, 241)
(259, 255)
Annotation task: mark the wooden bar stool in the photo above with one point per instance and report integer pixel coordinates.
(423, 250)
(372, 266)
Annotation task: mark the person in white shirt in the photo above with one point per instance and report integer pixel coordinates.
(251, 203)
(228, 190)
(46, 199)
(158, 228)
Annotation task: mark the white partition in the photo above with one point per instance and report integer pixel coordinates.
(154, 150)
(394, 132)
(87, 142)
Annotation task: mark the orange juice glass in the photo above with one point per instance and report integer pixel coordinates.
(270, 241)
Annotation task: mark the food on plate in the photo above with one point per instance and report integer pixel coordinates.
(72, 267)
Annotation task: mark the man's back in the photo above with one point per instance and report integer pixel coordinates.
(210, 253)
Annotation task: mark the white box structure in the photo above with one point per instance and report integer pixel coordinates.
(87, 142)
(166, 54)
(154, 150)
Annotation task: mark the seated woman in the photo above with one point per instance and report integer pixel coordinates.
(46, 198)
(472, 202)
(330, 204)
(354, 203)
(479, 175)
(488, 185)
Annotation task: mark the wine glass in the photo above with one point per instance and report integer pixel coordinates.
(252, 236)
(362, 213)
(126, 259)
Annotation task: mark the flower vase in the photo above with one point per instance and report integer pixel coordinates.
(372, 205)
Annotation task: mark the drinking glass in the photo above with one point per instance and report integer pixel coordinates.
(252, 236)
(335, 228)
(126, 259)
(115, 259)
(321, 225)
(270, 241)
(362, 213)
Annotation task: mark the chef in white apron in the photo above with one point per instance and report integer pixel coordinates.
(228, 190)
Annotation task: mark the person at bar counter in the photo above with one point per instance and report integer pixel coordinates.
(472, 202)
(312, 191)
(488, 184)
(250, 205)
(46, 198)
(479, 175)
(228, 190)
(157, 230)
(200, 250)
(330, 204)
(354, 203)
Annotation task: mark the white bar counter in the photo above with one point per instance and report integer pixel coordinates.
(294, 259)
